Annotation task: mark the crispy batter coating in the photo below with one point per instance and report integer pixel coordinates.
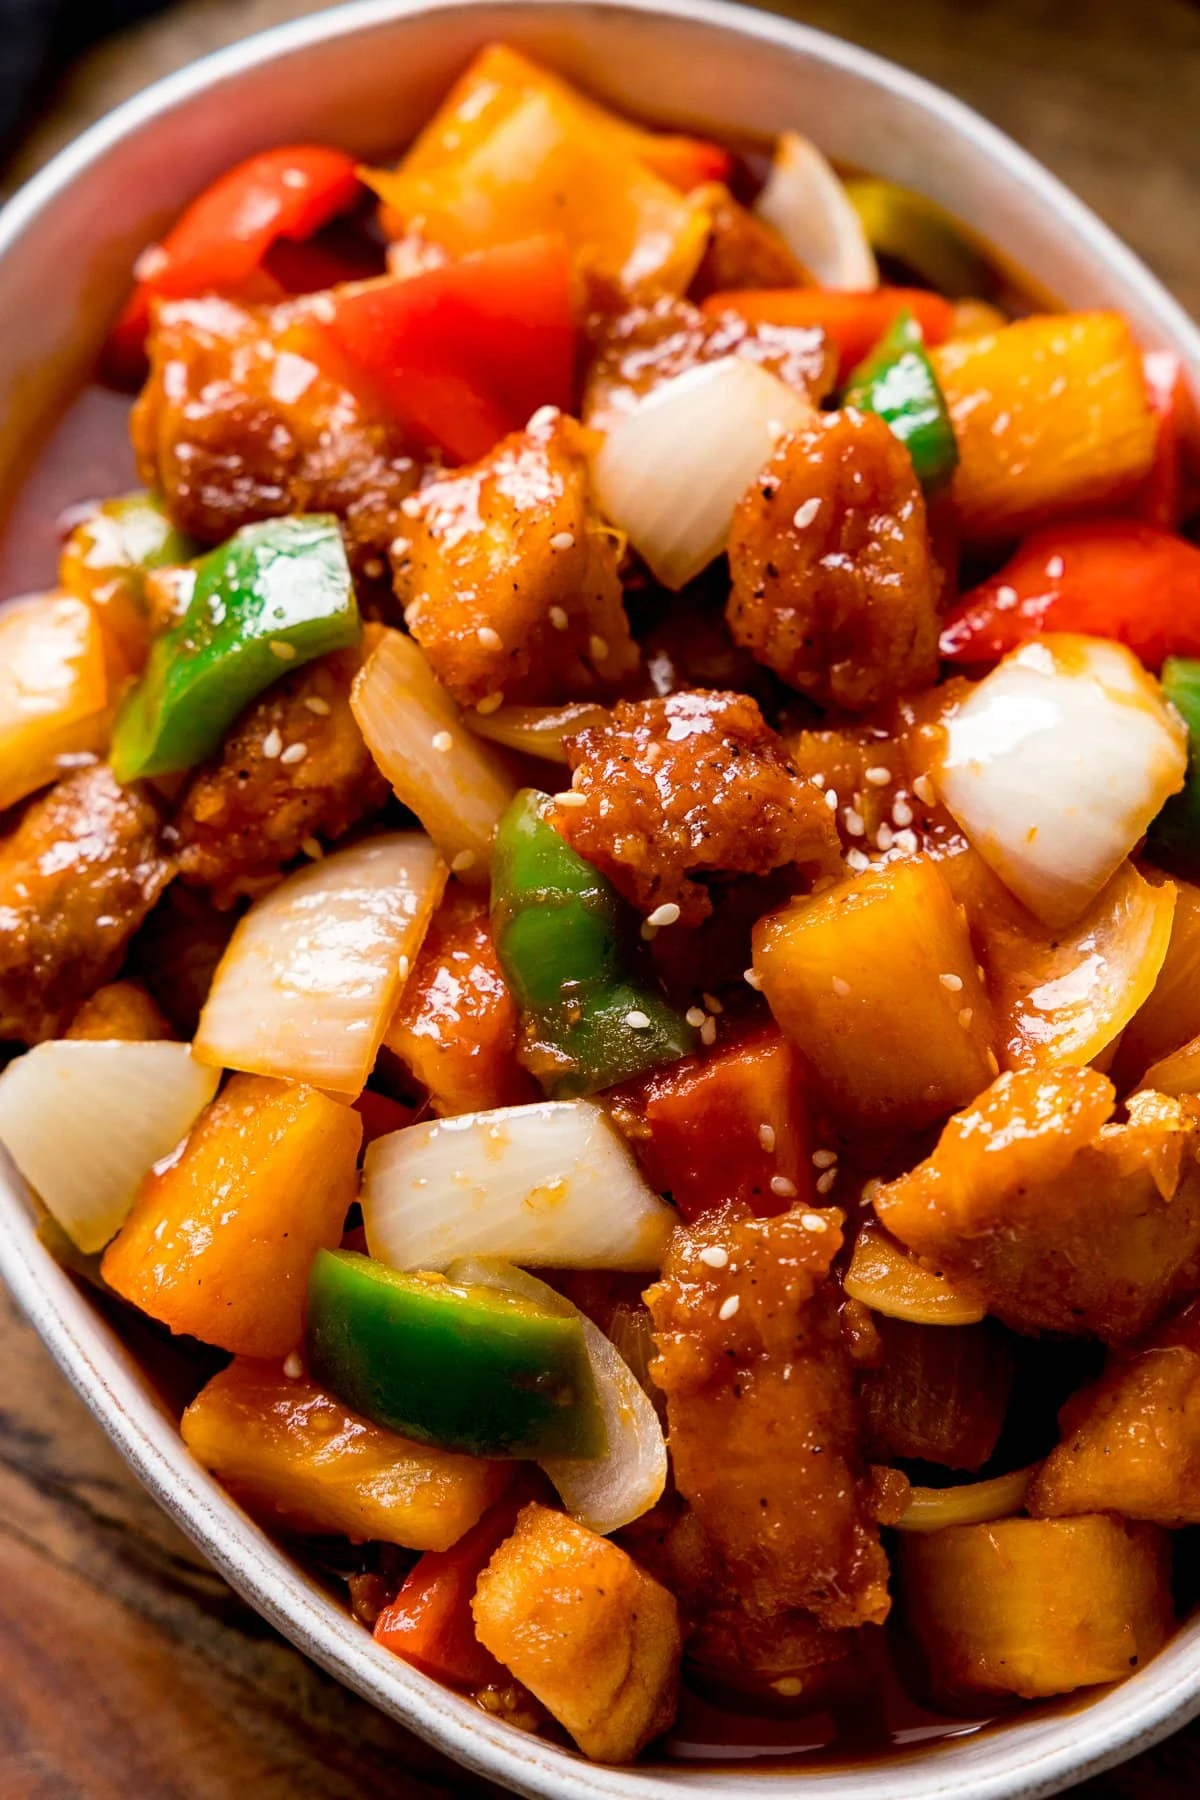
(696, 782)
(641, 348)
(1064, 1221)
(508, 577)
(763, 1417)
(238, 422)
(77, 877)
(247, 813)
(590, 1634)
(743, 251)
(834, 584)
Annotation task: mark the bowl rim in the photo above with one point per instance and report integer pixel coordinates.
(1119, 1721)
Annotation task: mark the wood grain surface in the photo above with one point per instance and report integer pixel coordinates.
(127, 1667)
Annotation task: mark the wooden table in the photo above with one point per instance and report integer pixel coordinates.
(126, 1665)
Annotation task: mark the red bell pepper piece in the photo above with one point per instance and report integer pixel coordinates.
(1165, 498)
(380, 1115)
(429, 1622)
(1114, 578)
(855, 322)
(686, 162)
(219, 243)
(465, 353)
(724, 1126)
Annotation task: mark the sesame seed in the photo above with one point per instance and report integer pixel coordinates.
(788, 1686)
(923, 789)
(402, 967)
(443, 741)
(648, 931)
(952, 982)
(841, 988)
(636, 1020)
(570, 798)
(563, 540)
(965, 1017)
(856, 860)
(854, 822)
(295, 753)
(831, 799)
(753, 979)
(907, 841)
(695, 1016)
(1054, 568)
(713, 1004)
(883, 837)
(818, 781)
(489, 637)
(373, 568)
(558, 618)
(805, 514)
(666, 914)
(545, 415)
(992, 1063)
(766, 1137)
(708, 1032)
(311, 847)
(728, 1307)
(412, 614)
(902, 813)
(293, 1368)
(462, 862)
(812, 1222)
(597, 648)
(785, 1188)
(878, 776)
(410, 506)
(715, 1256)
(870, 1189)
(285, 652)
(272, 744)
(399, 546)
(315, 704)
(826, 1181)
(824, 1159)
(490, 703)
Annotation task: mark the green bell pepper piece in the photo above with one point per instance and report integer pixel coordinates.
(276, 595)
(464, 1367)
(568, 950)
(897, 382)
(127, 536)
(1174, 836)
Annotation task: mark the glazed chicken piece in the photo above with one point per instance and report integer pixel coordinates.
(1062, 1219)
(77, 877)
(743, 250)
(239, 421)
(591, 1635)
(249, 812)
(763, 1419)
(695, 782)
(508, 577)
(640, 349)
(121, 1011)
(834, 583)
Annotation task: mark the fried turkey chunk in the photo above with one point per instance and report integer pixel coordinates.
(834, 583)
(508, 577)
(695, 782)
(1064, 1219)
(248, 812)
(763, 1418)
(77, 877)
(239, 421)
(647, 345)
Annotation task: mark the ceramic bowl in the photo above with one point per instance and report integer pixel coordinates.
(366, 76)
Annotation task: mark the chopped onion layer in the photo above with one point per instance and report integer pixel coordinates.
(85, 1121)
(890, 1280)
(972, 1503)
(607, 1492)
(553, 1185)
(457, 786)
(814, 215)
(311, 976)
(1055, 765)
(670, 473)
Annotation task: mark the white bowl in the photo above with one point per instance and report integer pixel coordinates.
(366, 76)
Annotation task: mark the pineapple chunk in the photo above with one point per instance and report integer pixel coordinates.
(875, 981)
(1035, 1606)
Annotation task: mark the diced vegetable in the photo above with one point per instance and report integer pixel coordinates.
(537, 730)
(974, 1503)
(875, 981)
(277, 594)
(938, 1395)
(553, 1185)
(84, 1122)
(854, 321)
(105, 561)
(293, 1455)
(1174, 837)
(54, 691)
(565, 942)
(594, 1637)
(809, 207)
(310, 979)
(457, 786)
(1168, 493)
(1036, 1606)
(1170, 1016)
(220, 1239)
(1115, 578)
(911, 229)
(671, 472)
(1050, 415)
(608, 1492)
(1055, 765)
(897, 382)
(463, 354)
(727, 1126)
(119, 1010)
(885, 1277)
(463, 1367)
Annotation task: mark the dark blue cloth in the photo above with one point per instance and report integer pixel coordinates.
(38, 38)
